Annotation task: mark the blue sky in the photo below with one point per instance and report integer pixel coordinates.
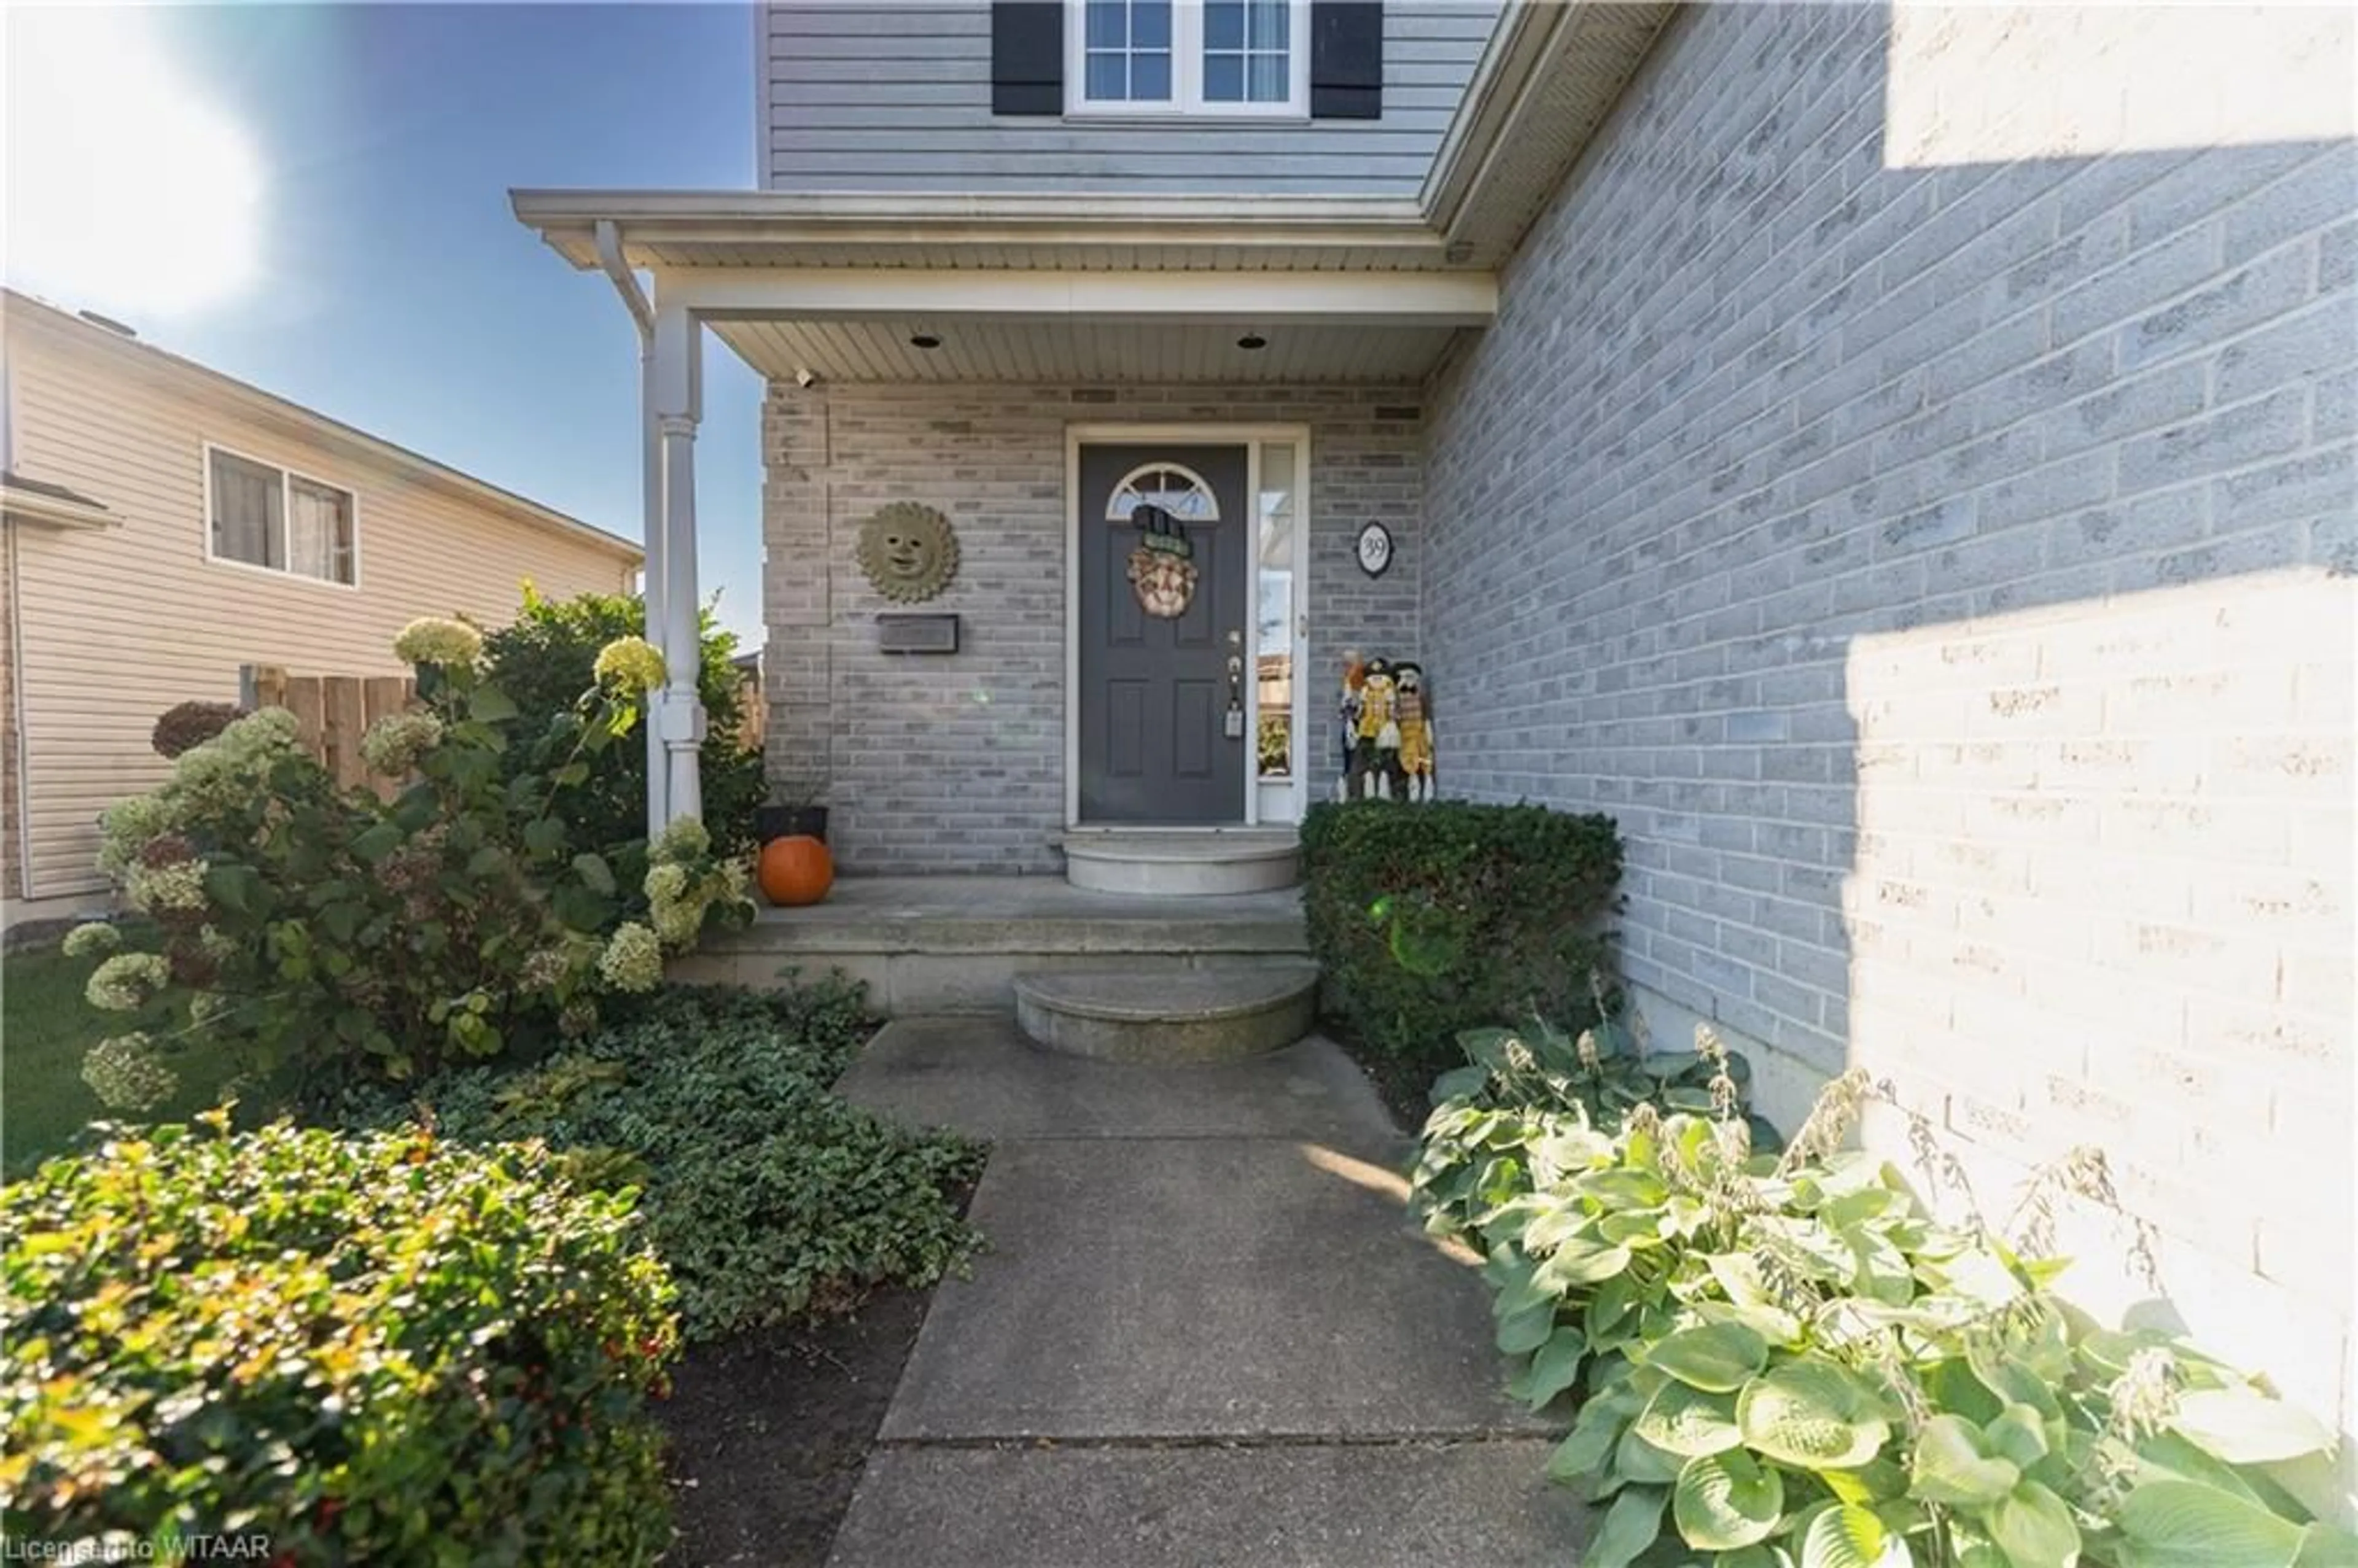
(365, 263)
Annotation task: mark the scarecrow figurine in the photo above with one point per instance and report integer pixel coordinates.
(1415, 732)
(1379, 736)
(1355, 673)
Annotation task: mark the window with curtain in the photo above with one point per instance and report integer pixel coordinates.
(1210, 57)
(1247, 45)
(268, 517)
(318, 531)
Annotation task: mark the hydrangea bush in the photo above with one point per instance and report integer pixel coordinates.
(324, 934)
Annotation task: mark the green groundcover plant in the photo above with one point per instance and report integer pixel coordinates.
(319, 934)
(1785, 1362)
(368, 1350)
(768, 1195)
(1432, 919)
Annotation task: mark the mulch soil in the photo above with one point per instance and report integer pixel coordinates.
(769, 1431)
(1406, 1090)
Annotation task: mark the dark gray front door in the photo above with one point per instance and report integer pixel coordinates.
(1155, 691)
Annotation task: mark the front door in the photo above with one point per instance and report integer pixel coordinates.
(1165, 567)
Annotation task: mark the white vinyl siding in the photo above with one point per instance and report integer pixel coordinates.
(895, 96)
(281, 521)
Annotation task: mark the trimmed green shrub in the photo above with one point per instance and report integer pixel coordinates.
(370, 1350)
(545, 659)
(769, 1198)
(1785, 1360)
(1433, 919)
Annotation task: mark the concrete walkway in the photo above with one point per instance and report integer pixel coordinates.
(1204, 1333)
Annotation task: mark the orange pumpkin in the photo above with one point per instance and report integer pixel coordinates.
(796, 870)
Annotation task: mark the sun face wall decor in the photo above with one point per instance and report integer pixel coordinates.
(908, 552)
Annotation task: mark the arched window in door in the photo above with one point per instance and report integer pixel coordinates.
(1178, 490)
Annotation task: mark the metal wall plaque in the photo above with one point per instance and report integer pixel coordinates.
(917, 633)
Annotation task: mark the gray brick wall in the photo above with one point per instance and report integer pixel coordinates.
(956, 765)
(1943, 573)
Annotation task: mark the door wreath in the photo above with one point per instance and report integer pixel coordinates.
(1161, 565)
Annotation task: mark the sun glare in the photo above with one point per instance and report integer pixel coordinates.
(129, 188)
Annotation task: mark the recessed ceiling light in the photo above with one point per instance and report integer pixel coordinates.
(1251, 341)
(924, 341)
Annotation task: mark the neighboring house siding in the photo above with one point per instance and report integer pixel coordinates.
(957, 763)
(1942, 572)
(120, 624)
(12, 860)
(897, 97)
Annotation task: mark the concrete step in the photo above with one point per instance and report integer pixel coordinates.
(927, 946)
(1177, 862)
(1215, 1013)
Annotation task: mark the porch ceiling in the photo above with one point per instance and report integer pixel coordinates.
(1073, 350)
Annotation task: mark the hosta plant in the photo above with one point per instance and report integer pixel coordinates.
(322, 934)
(1606, 1070)
(1786, 1363)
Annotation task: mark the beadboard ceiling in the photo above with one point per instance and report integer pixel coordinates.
(1069, 351)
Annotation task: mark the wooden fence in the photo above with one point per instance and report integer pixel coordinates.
(331, 712)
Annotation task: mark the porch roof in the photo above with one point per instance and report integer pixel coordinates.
(681, 230)
(1028, 289)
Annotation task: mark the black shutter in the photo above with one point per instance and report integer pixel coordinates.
(1347, 60)
(1027, 57)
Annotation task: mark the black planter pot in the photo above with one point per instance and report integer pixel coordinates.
(790, 822)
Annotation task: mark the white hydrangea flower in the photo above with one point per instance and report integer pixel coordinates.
(677, 923)
(633, 958)
(93, 940)
(684, 839)
(157, 888)
(126, 1074)
(126, 981)
(630, 663)
(394, 744)
(434, 640)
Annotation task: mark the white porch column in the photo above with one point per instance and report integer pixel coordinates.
(679, 404)
(651, 484)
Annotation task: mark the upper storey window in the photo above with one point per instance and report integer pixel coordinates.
(1187, 57)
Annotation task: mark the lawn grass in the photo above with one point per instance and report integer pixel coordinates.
(45, 1025)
